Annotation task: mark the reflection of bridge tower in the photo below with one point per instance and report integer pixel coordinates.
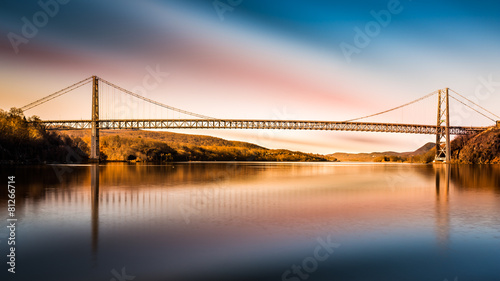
(94, 145)
(443, 153)
(94, 182)
(442, 204)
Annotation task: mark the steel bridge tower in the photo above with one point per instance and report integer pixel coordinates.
(443, 148)
(94, 141)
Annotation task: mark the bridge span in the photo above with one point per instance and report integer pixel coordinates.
(442, 128)
(258, 124)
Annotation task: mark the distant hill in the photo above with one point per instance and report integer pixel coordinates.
(388, 156)
(424, 149)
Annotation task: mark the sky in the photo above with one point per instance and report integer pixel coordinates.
(253, 59)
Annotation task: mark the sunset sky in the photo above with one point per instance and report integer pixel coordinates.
(260, 60)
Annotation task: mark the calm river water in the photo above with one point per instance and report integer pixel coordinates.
(253, 221)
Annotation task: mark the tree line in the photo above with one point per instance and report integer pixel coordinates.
(25, 140)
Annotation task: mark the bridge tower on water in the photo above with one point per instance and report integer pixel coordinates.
(94, 141)
(443, 148)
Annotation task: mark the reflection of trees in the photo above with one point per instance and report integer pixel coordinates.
(169, 175)
(35, 182)
(226, 190)
(485, 178)
(467, 177)
(38, 183)
(476, 177)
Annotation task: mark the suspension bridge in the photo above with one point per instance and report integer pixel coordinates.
(442, 129)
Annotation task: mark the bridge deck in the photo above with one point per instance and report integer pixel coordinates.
(256, 124)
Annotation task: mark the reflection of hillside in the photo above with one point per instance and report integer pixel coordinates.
(476, 177)
(34, 182)
(308, 193)
(172, 175)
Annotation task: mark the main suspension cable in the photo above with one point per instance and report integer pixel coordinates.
(386, 111)
(471, 108)
(498, 118)
(155, 102)
(56, 94)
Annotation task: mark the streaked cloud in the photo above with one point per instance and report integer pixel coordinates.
(263, 56)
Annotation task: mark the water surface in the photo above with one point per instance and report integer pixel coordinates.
(255, 221)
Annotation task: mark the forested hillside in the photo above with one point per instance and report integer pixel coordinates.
(24, 142)
(482, 148)
(130, 145)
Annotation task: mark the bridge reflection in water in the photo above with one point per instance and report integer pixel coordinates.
(94, 181)
(442, 204)
(226, 203)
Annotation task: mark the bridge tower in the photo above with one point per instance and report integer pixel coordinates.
(94, 141)
(443, 149)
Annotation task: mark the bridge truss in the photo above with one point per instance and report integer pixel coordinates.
(258, 124)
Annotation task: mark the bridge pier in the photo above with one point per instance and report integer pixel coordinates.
(443, 148)
(94, 140)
